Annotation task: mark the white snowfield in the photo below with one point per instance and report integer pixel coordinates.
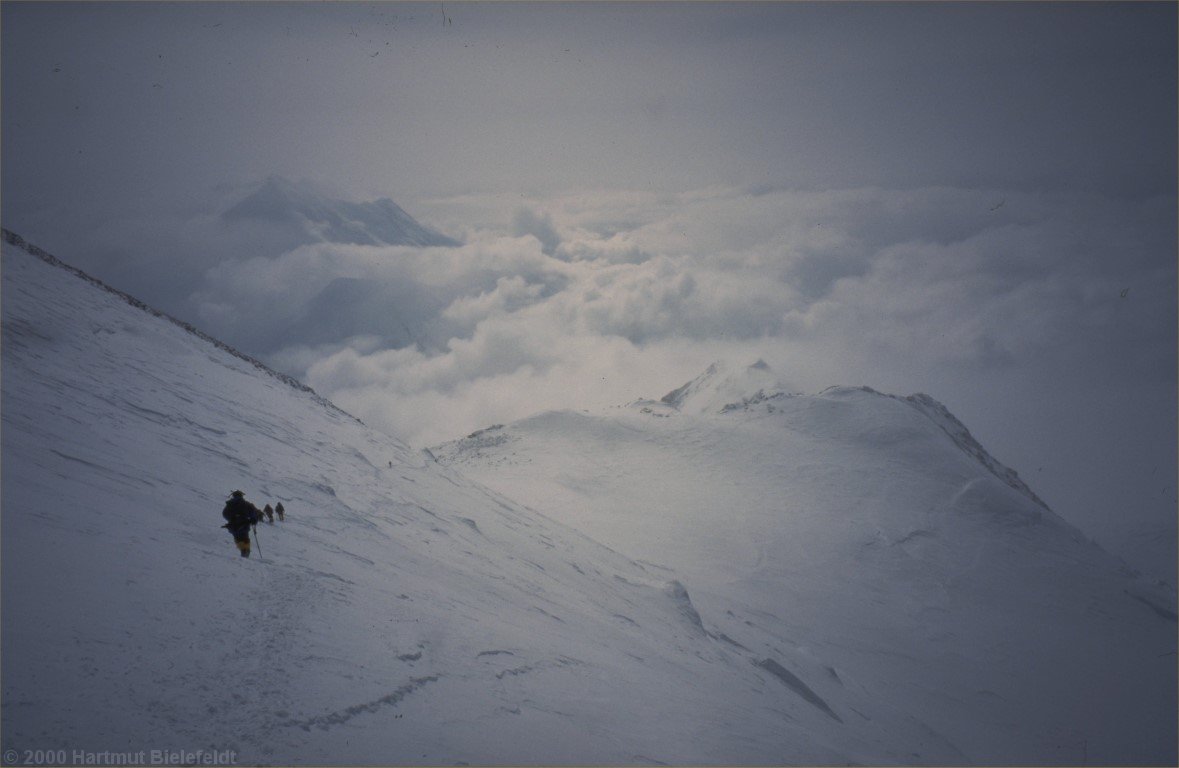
(841, 578)
(871, 544)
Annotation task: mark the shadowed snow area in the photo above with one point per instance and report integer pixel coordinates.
(840, 578)
(875, 537)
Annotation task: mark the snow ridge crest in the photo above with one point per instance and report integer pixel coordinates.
(16, 240)
(940, 415)
(723, 388)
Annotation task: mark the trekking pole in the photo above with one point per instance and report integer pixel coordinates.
(256, 542)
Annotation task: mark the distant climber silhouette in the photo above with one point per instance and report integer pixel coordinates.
(280, 511)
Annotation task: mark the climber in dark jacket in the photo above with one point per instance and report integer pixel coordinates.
(239, 515)
(269, 514)
(279, 509)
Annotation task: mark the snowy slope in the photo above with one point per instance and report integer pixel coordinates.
(874, 536)
(402, 614)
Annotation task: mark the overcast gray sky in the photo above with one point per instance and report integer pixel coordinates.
(972, 200)
(548, 97)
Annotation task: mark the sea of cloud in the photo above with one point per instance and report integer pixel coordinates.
(595, 298)
(1046, 321)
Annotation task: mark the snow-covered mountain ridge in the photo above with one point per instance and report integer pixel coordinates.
(16, 240)
(961, 436)
(864, 591)
(401, 614)
(721, 388)
(314, 217)
(875, 532)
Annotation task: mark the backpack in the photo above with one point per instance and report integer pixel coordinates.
(239, 513)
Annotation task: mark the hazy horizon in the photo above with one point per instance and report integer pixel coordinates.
(976, 201)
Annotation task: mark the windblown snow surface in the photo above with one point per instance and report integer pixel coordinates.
(921, 591)
(841, 579)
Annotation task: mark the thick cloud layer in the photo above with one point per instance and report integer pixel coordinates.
(1047, 322)
(972, 200)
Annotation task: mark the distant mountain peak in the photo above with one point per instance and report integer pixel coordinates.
(724, 387)
(316, 216)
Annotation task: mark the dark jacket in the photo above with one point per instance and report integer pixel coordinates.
(239, 515)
